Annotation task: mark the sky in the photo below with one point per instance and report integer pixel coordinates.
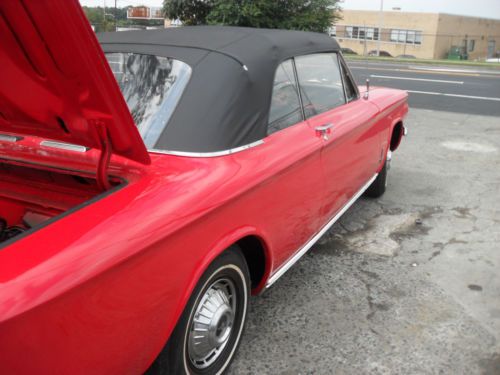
(478, 8)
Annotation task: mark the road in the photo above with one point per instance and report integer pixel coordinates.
(463, 90)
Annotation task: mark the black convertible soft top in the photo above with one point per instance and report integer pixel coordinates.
(227, 100)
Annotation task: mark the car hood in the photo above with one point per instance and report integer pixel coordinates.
(55, 82)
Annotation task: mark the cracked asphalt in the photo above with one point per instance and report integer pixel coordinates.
(405, 284)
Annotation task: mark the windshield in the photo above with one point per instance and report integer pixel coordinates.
(152, 86)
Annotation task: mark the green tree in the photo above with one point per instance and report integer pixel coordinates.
(190, 12)
(308, 15)
(96, 17)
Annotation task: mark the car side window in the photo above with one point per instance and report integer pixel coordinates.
(350, 91)
(320, 82)
(285, 104)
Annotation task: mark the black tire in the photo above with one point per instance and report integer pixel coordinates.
(377, 188)
(230, 268)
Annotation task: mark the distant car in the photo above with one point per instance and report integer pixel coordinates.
(150, 183)
(406, 57)
(348, 51)
(382, 53)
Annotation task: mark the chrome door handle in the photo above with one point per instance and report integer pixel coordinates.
(324, 130)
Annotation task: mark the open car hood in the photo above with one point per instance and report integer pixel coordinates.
(55, 81)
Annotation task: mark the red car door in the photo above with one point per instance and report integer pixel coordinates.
(289, 194)
(351, 145)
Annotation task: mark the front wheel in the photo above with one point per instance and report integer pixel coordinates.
(208, 333)
(377, 188)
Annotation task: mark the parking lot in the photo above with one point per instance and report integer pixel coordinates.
(467, 90)
(409, 283)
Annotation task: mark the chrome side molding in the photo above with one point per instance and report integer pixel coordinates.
(64, 146)
(9, 138)
(294, 258)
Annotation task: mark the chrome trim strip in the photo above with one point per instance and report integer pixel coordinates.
(9, 138)
(388, 159)
(341, 68)
(299, 92)
(64, 146)
(208, 154)
(294, 258)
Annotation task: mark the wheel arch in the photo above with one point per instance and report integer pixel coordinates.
(256, 255)
(255, 249)
(397, 133)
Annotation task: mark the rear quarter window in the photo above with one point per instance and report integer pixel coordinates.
(152, 86)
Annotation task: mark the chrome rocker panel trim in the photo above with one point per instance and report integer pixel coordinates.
(292, 260)
(9, 138)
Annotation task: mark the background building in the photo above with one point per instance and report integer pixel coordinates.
(424, 35)
(145, 13)
(151, 13)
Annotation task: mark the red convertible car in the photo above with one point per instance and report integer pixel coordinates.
(151, 181)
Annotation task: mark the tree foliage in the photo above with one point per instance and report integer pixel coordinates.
(309, 15)
(102, 22)
(190, 12)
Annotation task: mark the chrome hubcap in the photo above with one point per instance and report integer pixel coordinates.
(212, 323)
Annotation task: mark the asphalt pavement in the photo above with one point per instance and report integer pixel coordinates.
(468, 90)
(405, 284)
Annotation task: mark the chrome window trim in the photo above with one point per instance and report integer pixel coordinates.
(64, 146)
(341, 68)
(207, 154)
(294, 258)
(299, 91)
(344, 66)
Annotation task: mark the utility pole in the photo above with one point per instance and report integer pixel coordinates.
(380, 25)
(104, 15)
(116, 18)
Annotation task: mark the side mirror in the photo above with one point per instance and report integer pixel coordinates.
(367, 93)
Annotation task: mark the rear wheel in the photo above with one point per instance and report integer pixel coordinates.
(377, 188)
(208, 333)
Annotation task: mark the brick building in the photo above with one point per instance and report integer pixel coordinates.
(424, 35)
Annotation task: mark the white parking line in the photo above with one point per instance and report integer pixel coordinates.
(418, 79)
(452, 70)
(454, 95)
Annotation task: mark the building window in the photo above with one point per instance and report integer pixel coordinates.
(402, 36)
(406, 36)
(472, 44)
(418, 37)
(355, 32)
(348, 32)
(361, 32)
(394, 35)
